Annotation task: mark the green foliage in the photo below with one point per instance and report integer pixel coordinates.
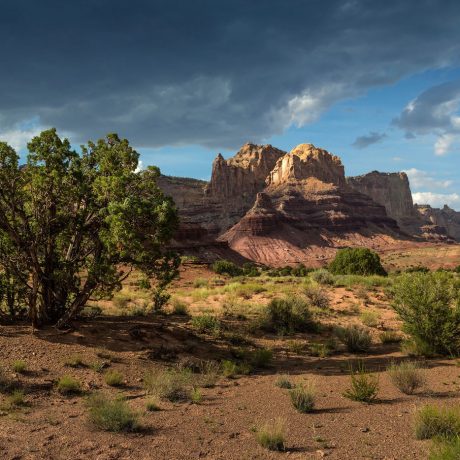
(17, 399)
(407, 376)
(364, 386)
(323, 276)
(429, 306)
(113, 378)
(174, 384)
(19, 366)
(152, 405)
(432, 421)
(68, 385)
(297, 271)
(261, 358)
(390, 337)
(206, 324)
(111, 414)
(286, 316)
(446, 449)
(70, 220)
(370, 318)
(179, 308)
(356, 261)
(355, 338)
(303, 397)
(271, 435)
(74, 361)
(284, 382)
(225, 267)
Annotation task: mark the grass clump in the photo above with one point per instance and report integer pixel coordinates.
(173, 384)
(200, 282)
(390, 337)
(429, 306)
(303, 397)
(152, 405)
(68, 385)
(317, 297)
(113, 378)
(407, 376)
(284, 382)
(261, 358)
(179, 308)
(286, 316)
(355, 338)
(364, 386)
(433, 421)
(271, 435)
(323, 276)
(321, 350)
(19, 366)
(446, 449)
(206, 324)
(357, 261)
(74, 361)
(111, 414)
(17, 399)
(370, 318)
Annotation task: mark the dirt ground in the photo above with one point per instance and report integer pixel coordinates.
(222, 425)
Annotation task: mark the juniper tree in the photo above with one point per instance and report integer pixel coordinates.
(73, 225)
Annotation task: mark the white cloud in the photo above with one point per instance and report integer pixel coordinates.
(18, 138)
(421, 179)
(437, 200)
(443, 143)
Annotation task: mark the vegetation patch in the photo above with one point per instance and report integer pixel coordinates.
(114, 378)
(433, 421)
(303, 397)
(355, 338)
(407, 376)
(271, 435)
(68, 385)
(364, 386)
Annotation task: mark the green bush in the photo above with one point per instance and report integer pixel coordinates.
(206, 324)
(303, 398)
(271, 435)
(67, 385)
(432, 421)
(225, 267)
(355, 338)
(407, 376)
(111, 414)
(357, 261)
(364, 386)
(323, 276)
(113, 378)
(446, 449)
(288, 315)
(19, 366)
(429, 306)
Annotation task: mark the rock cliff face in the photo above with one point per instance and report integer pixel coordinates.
(446, 219)
(391, 190)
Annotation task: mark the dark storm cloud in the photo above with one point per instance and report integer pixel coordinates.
(215, 73)
(373, 137)
(434, 111)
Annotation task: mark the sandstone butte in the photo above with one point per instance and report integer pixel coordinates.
(278, 208)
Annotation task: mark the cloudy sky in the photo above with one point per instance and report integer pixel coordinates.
(377, 83)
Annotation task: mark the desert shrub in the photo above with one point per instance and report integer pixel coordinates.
(250, 269)
(261, 358)
(225, 267)
(429, 306)
(288, 315)
(407, 376)
(446, 449)
(152, 405)
(284, 382)
(200, 282)
(229, 368)
(179, 308)
(111, 414)
(364, 386)
(17, 399)
(317, 297)
(74, 361)
(172, 384)
(390, 337)
(196, 396)
(323, 276)
(320, 349)
(91, 311)
(144, 283)
(206, 324)
(303, 397)
(432, 421)
(19, 366)
(418, 269)
(271, 435)
(68, 385)
(113, 378)
(357, 261)
(296, 346)
(457, 269)
(355, 338)
(370, 318)
(209, 373)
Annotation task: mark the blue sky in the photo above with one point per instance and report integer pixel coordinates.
(377, 83)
